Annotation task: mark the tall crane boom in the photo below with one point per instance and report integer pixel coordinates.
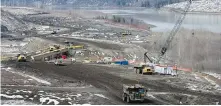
(171, 35)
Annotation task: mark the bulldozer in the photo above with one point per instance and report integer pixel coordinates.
(21, 58)
(133, 93)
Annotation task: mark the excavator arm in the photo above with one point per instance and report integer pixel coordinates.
(147, 57)
(171, 35)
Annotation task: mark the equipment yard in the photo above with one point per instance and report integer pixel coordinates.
(71, 59)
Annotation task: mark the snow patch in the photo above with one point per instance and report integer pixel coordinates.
(150, 95)
(42, 100)
(218, 76)
(191, 86)
(213, 83)
(92, 29)
(200, 6)
(78, 95)
(25, 75)
(100, 95)
(16, 102)
(198, 78)
(81, 104)
(12, 96)
(26, 91)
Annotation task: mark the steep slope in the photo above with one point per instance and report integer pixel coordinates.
(199, 6)
(11, 22)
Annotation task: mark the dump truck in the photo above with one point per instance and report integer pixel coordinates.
(134, 92)
(145, 69)
(21, 58)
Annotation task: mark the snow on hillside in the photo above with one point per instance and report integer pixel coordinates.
(12, 22)
(199, 6)
(21, 10)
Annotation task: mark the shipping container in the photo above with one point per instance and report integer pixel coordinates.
(122, 62)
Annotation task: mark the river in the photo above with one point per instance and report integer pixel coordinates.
(165, 20)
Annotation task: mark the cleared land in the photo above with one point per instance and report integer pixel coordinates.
(82, 83)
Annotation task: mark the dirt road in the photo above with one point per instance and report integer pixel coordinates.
(100, 77)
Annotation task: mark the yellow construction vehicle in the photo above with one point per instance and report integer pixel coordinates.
(21, 58)
(77, 47)
(145, 69)
(54, 48)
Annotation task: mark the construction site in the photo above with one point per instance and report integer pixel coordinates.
(71, 57)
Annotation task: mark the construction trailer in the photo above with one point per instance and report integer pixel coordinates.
(165, 70)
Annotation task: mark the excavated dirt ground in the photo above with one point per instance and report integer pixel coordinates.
(107, 79)
(96, 79)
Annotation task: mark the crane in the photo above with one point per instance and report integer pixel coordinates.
(170, 36)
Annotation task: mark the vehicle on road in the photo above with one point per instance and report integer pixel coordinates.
(133, 93)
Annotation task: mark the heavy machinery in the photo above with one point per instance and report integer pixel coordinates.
(54, 48)
(170, 37)
(145, 69)
(133, 93)
(128, 95)
(21, 58)
(77, 47)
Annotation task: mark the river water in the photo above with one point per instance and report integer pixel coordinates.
(165, 20)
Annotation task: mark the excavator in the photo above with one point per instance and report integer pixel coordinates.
(149, 69)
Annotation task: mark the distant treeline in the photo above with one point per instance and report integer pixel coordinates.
(91, 3)
(120, 19)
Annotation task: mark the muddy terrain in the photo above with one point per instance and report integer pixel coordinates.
(39, 82)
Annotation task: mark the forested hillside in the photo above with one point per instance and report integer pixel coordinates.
(91, 3)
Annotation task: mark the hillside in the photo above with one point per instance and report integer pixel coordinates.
(11, 22)
(199, 6)
(90, 3)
